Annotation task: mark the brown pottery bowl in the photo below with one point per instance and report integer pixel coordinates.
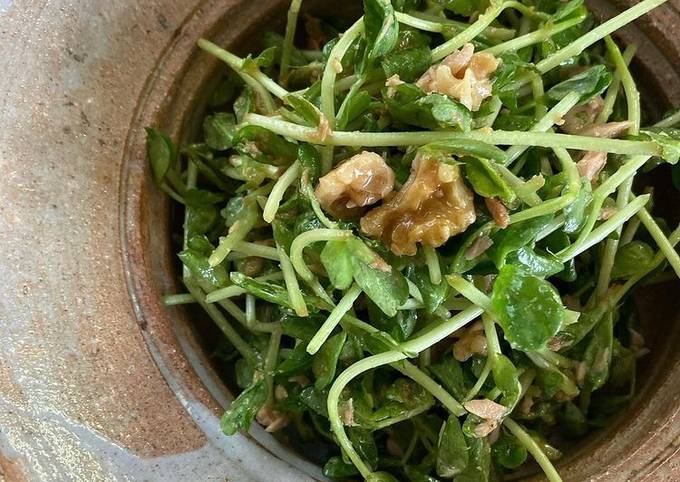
(98, 380)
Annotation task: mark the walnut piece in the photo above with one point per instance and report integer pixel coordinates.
(610, 130)
(356, 182)
(591, 164)
(463, 75)
(486, 409)
(498, 211)
(272, 420)
(432, 206)
(471, 341)
(582, 116)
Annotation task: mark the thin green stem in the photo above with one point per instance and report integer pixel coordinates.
(484, 21)
(493, 345)
(291, 27)
(236, 63)
(433, 266)
(270, 361)
(180, 299)
(488, 35)
(673, 240)
(257, 250)
(601, 193)
(333, 319)
(629, 87)
(424, 380)
(598, 33)
(233, 290)
(669, 121)
(292, 286)
(604, 229)
(251, 311)
(330, 73)
(521, 138)
(237, 313)
(232, 335)
(279, 189)
(307, 238)
(661, 240)
(546, 123)
(238, 231)
(421, 23)
(533, 448)
(613, 90)
(532, 38)
(480, 381)
(470, 291)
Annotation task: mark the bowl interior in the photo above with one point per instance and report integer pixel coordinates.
(179, 94)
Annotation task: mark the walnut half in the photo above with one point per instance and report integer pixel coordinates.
(463, 75)
(358, 181)
(432, 206)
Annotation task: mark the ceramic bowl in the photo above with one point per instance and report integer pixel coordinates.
(98, 380)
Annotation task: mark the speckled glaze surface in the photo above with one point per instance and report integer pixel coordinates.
(98, 381)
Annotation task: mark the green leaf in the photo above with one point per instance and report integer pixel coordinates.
(302, 328)
(572, 421)
(381, 27)
(356, 105)
(404, 399)
(529, 309)
(541, 265)
(598, 354)
(575, 213)
(667, 140)
(566, 9)
(467, 147)
(265, 290)
(244, 104)
(307, 111)
(452, 451)
(399, 326)
(219, 130)
(412, 106)
(588, 84)
(310, 161)
(315, 400)
(336, 258)
(297, 363)
(242, 411)
(433, 294)
(208, 277)
(200, 220)
(408, 64)
(461, 7)
(202, 198)
(338, 469)
(508, 451)
(382, 283)
(363, 442)
(514, 237)
(485, 180)
(479, 465)
(632, 258)
(161, 152)
(381, 477)
(449, 372)
(326, 360)
(264, 146)
(506, 378)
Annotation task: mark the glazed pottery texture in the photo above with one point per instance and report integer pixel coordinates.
(98, 380)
